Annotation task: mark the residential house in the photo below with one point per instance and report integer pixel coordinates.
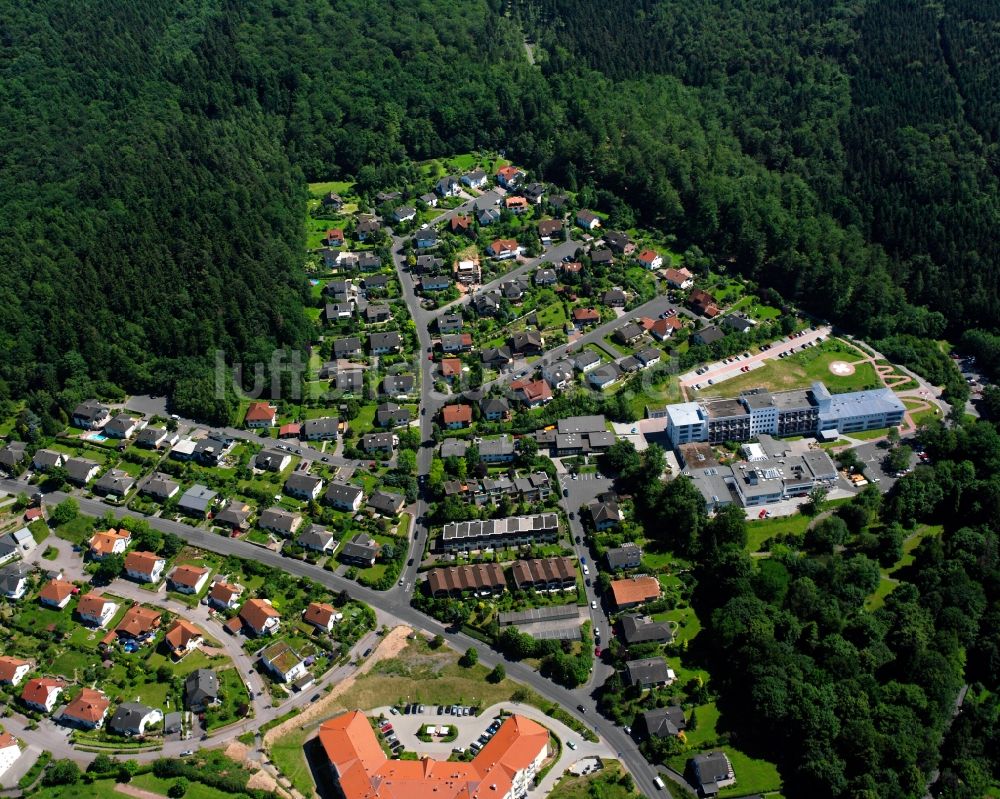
(379, 442)
(545, 574)
(450, 323)
(377, 314)
(665, 722)
(456, 416)
(615, 298)
(475, 179)
(388, 196)
(487, 216)
(517, 205)
(528, 342)
(602, 257)
(588, 220)
(708, 335)
(545, 277)
(703, 303)
(606, 514)
(272, 460)
(42, 693)
(627, 556)
(468, 271)
(317, 539)
(88, 710)
(280, 521)
(629, 333)
(321, 616)
(486, 304)
(662, 329)
(161, 488)
(513, 290)
(559, 374)
(12, 456)
(366, 228)
(13, 670)
(435, 283)
(509, 176)
(283, 662)
(197, 500)
(456, 342)
(335, 311)
(453, 448)
(430, 199)
(586, 316)
(630, 592)
(224, 596)
(183, 637)
(389, 414)
(678, 278)
(649, 356)
(123, 426)
(81, 471)
(375, 284)
(134, 718)
(109, 542)
(155, 438)
(16, 543)
(201, 690)
(361, 550)
(426, 239)
(138, 623)
(95, 609)
(548, 229)
(343, 496)
(335, 237)
(346, 347)
(740, 324)
(571, 267)
(236, 515)
(483, 579)
(460, 223)
(534, 193)
(114, 483)
(619, 242)
(650, 259)
(260, 617)
(643, 630)
(502, 249)
(629, 364)
(496, 450)
(398, 385)
(339, 290)
(261, 414)
(604, 376)
(448, 186)
(57, 593)
(303, 485)
(332, 200)
(587, 361)
(405, 213)
(90, 415)
(350, 381)
(46, 459)
(144, 567)
(532, 393)
(10, 751)
(323, 428)
(494, 409)
(711, 772)
(386, 503)
(497, 357)
(189, 579)
(649, 673)
(14, 580)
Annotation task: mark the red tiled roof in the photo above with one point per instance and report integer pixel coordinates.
(56, 591)
(451, 367)
(223, 592)
(9, 667)
(260, 412)
(91, 605)
(290, 429)
(256, 612)
(455, 414)
(319, 613)
(89, 706)
(187, 575)
(633, 590)
(142, 562)
(37, 691)
(103, 543)
(139, 621)
(586, 315)
(180, 633)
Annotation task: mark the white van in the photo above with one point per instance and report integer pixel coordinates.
(658, 783)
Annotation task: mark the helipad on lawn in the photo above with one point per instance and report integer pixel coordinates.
(842, 368)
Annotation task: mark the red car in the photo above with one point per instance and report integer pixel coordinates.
(597, 651)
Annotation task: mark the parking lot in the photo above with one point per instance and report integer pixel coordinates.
(406, 726)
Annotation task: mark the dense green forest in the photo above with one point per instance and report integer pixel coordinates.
(155, 153)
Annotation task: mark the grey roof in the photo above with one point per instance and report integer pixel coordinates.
(606, 511)
(398, 384)
(90, 409)
(302, 483)
(13, 453)
(376, 313)
(640, 629)
(11, 576)
(665, 721)
(361, 547)
(79, 468)
(647, 671)
(118, 425)
(159, 485)
(47, 458)
(630, 364)
(629, 331)
(582, 424)
(389, 414)
(115, 481)
(316, 538)
(386, 501)
(270, 459)
(710, 335)
(496, 447)
(236, 514)
(628, 555)
(710, 769)
(201, 687)
(649, 354)
(377, 441)
(585, 359)
(197, 497)
(129, 716)
(492, 405)
(343, 346)
(325, 425)
(278, 519)
(454, 448)
(375, 281)
(383, 340)
(343, 493)
(497, 355)
(350, 380)
(150, 436)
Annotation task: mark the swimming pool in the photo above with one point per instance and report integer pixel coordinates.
(97, 437)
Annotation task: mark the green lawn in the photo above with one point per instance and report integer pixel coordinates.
(364, 422)
(761, 530)
(196, 790)
(887, 583)
(603, 784)
(286, 753)
(800, 371)
(341, 187)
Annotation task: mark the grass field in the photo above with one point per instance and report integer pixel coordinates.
(342, 187)
(800, 371)
(196, 790)
(288, 756)
(760, 531)
(888, 582)
(604, 784)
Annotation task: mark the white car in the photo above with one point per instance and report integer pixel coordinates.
(586, 570)
(571, 744)
(593, 605)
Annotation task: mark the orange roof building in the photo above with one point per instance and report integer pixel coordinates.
(42, 693)
(182, 637)
(56, 593)
(13, 670)
(89, 709)
(320, 614)
(504, 768)
(457, 415)
(224, 595)
(137, 622)
(451, 367)
(109, 542)
(634, 591)
(189, 579)
(261, 414)
(260, 616)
